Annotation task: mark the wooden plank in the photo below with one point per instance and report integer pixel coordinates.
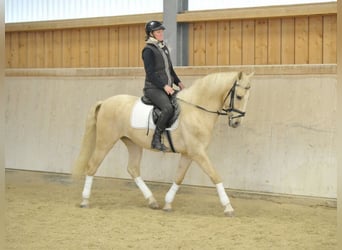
(223, 43)
(123, 46)
(315, 39)
(261, 37)
(191, 44)
(199, 44)
(329, 39)
(211, 43)
(75, 48)
(113, 47)
(274, 41)
(287, 41)
(133, 46)
(22, 63)
(31, 50)
(301, 40)
(40, 53)
(8, 50)
(141, 43)
(48, 49)
(15, 49)
(66, 48)
(84, 48)
(57, 49)
(94, 47)
(103, 47)
(235, 42)
(248, 42)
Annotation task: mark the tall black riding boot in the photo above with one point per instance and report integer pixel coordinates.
(156, 141)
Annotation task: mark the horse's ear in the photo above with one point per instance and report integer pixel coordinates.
(240, 75)
(251, 74)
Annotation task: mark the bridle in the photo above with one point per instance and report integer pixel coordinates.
(225, 111)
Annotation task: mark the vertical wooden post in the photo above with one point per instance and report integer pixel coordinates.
(2, 122)
(339, 123)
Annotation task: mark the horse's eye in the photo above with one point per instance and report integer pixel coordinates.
(239, 97)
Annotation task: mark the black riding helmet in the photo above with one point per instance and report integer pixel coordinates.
(152, 26)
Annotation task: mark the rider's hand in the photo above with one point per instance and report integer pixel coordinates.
(168, 89)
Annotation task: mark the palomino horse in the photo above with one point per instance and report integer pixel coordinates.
(201, 104)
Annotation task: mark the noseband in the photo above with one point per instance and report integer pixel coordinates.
(223, 111)
(231, 107)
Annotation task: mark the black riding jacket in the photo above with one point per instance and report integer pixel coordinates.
(155, 68)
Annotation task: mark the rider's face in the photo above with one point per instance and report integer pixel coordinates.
(158, 34)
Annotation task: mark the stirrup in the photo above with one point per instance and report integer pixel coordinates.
(160, 147)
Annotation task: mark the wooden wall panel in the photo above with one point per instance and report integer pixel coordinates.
(261, 39)
(14, 56)
(93, 47)
(8, 43)
(40, 46)
(22, 53)
(315, 40)
(84, 48)
(31, 50)
(123, 46)
(57, 49)
(103, 47)
(302, 39)
(223, 39)
(48, 49)
(329, 39)
(248, 42)
(199, 44)
(134, 50)
(113, 47)
(211, 44)
(274, 41)
(288, 41)
(75, 48)
(235, 42)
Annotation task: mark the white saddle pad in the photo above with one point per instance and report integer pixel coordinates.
(141, 116)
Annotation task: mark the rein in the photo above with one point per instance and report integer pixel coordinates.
(223, 111)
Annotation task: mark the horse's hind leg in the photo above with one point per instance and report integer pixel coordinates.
(94, 162)
(133, 168)
(183, 167)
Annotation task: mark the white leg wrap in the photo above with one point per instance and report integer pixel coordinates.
(87, 187)
(170, 195)
(222, 194)
(142, 186)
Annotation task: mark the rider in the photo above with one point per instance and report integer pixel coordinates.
(160, 76)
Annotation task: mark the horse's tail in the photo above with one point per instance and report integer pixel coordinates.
(88, 144)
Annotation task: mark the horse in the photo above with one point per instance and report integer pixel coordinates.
(214, 95)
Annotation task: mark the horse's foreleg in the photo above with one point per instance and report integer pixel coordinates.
(204, 162)
(184, 164)
(133, 168)
(86, 191)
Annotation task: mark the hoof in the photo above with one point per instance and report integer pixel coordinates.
(84, 204)
(229, 211)
(229, 214)
(167, 207)
(152, 203)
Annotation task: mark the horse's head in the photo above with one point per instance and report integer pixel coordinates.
(237, 99)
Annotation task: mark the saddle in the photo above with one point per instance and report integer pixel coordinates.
(156, 111)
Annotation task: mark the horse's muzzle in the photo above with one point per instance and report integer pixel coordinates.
(234, 123)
